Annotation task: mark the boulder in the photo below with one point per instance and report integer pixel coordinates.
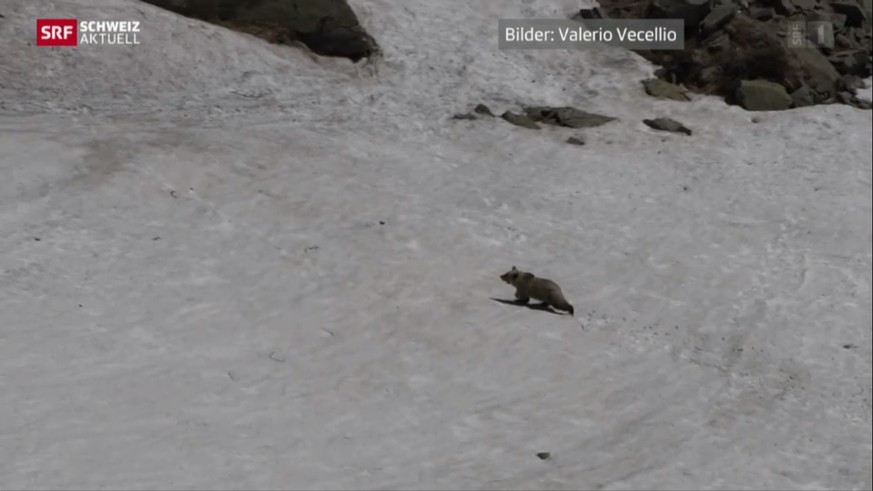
(762, 13)
(802, 97)
(850, 62)
(520, 120)
(762, 95)
(820, 73)
(566, 116)
(662, 89)
(327, 27)
(854, 12)
(592, 13)
(691, 11)
(784, 7)
(667, 124)
(717, 18)
(805, 4)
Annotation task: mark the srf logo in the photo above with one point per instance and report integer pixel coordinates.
(56, 32)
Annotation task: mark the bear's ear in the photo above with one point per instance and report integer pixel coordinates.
(514, 268)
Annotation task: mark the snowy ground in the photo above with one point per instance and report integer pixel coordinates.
(226, 266)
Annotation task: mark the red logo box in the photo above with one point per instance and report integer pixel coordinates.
(57, 32)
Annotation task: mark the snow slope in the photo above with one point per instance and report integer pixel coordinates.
(227, 266)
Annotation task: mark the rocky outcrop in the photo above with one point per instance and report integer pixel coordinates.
(661, 89)
(732, 46)
(566, 116)
(762, 95)
(326, 27)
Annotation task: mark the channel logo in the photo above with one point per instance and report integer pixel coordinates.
(72, 32)
(57, 32)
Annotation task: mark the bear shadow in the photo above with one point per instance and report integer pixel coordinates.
(532, 306)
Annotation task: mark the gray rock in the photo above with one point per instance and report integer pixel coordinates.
(821, 74)
(662, 89)
(839, 21)
(575, 140)
(803, 97)
(858, 34)
(805, 4)
(691, 11)
(717, 18)
(762, 95)
(483, 109)
(566, 116)
(592, 13)
(845, 97)
(784, 7)
(850, 62)
(718, 42)
(520, 120)
(850, 83)
(762, 13)
(855, 14)
(667, 124)
(464, 116)
(327, 27)
(845, 42)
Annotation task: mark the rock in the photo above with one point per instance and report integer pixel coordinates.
(717, 18)
(592, 13)
(850, 83)
(566, 116)
(784, 7)
(710, 75)
(729, 46)
(850, 62)
(838, 20)
(855, 14)
(575, 140)
(667, 124)
(845, 97)
(691, 11)
(820, 73)
(718, 42)
(520, 120)
(841, 41)
(762, 13)
(483, 109)
(544, 455)
(762, 95)
(858, 34)
(802, 97)
(661, 89)
(327, 27)
(805, 4)
(464, 116)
